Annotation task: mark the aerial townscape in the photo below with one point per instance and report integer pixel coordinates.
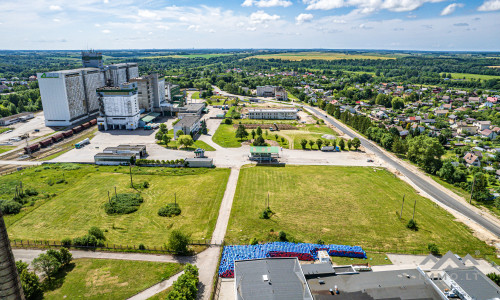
(250, 149)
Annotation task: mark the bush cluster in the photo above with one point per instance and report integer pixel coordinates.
(172, 209)
(141, 162)
(94, 238)
(186, 286)
(10, 207)
(412, 224)
(29, 281)
(123, 204)
(433, 248)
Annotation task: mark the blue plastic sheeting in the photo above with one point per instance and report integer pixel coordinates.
(302, 251)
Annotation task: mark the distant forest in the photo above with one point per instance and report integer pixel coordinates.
(204, 65)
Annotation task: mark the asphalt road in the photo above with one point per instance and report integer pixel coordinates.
(431, 190)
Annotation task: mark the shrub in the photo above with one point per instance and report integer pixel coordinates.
(282, 236)
(29, 281)
(66, 242)
(10, 207)
(31, 192)
(172, 209)
(123, 204)
(88, 240)
(433, 248)
(412, 224)
(228, 121)
(254, 241)
(178, 241)
(185, 287)
(142, 247)
(97, 232)
(266, 214)
(320, 241)
(494, 277)
(50, 182)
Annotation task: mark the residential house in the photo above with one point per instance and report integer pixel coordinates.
(441, 112)
(472, 160)
(481, 125)
(487, 133)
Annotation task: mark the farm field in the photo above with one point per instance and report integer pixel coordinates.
(109, 279)
(343, 205)
(69, 209)
(188, 56)
(298, 56)
(472, 76)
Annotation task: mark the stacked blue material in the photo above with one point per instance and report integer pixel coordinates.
(303, 251)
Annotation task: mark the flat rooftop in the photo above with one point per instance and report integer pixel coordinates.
(400, 284)
(270, 279)
(474, 283)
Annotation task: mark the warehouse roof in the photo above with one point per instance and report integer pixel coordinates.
(271, 278)
(264, 149)
(475, 283)
(187, 121)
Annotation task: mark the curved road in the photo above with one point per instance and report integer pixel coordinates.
(431, 190)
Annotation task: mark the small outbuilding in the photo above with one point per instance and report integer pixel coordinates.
(264, 153)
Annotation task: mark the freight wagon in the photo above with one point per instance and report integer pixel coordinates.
(32, 148)
(68, 133)
(46, 143)
(57, 137)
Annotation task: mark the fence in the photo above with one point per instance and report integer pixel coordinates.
(107, 246)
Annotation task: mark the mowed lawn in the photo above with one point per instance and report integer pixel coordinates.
(78, 205)
(109, 279)
(342, 205)
(225, 136)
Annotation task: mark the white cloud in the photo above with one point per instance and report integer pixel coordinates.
(56, 20)
(251, 28)
(267, 3)
(164, 27)
(106, 31)
(55, 7)
(490, 5)
(368, 6)
(97, 25)
(194, 27)
(302, 18)
(262, 17)
(147, 14)
(448, 10)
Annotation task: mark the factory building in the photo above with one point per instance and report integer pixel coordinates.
(272, 91)
(188, 124)
(119, 107)
(69, 96)
(272, 114)
(151, 92)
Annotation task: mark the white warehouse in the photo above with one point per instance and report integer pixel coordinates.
(119, 107)
(69, 96)
(273, 114)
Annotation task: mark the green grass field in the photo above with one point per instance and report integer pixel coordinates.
(195, 95)
(342, 205)
(225, 137)
(309, 132)
(4, 129)
(78, 205)
(4, 149)
(109, 279)
(197, 144)
(187, 56)
(472, 76)
(298, 56)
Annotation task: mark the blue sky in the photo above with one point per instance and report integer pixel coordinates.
(334, 24)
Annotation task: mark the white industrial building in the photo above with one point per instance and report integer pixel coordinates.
(188, 124)
(119, 107)
(273, 114)
(69, 96)
(272, 91)
(151, 92)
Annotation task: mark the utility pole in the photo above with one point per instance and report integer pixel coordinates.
(267, 199)
(401, 214)
(472, 190)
